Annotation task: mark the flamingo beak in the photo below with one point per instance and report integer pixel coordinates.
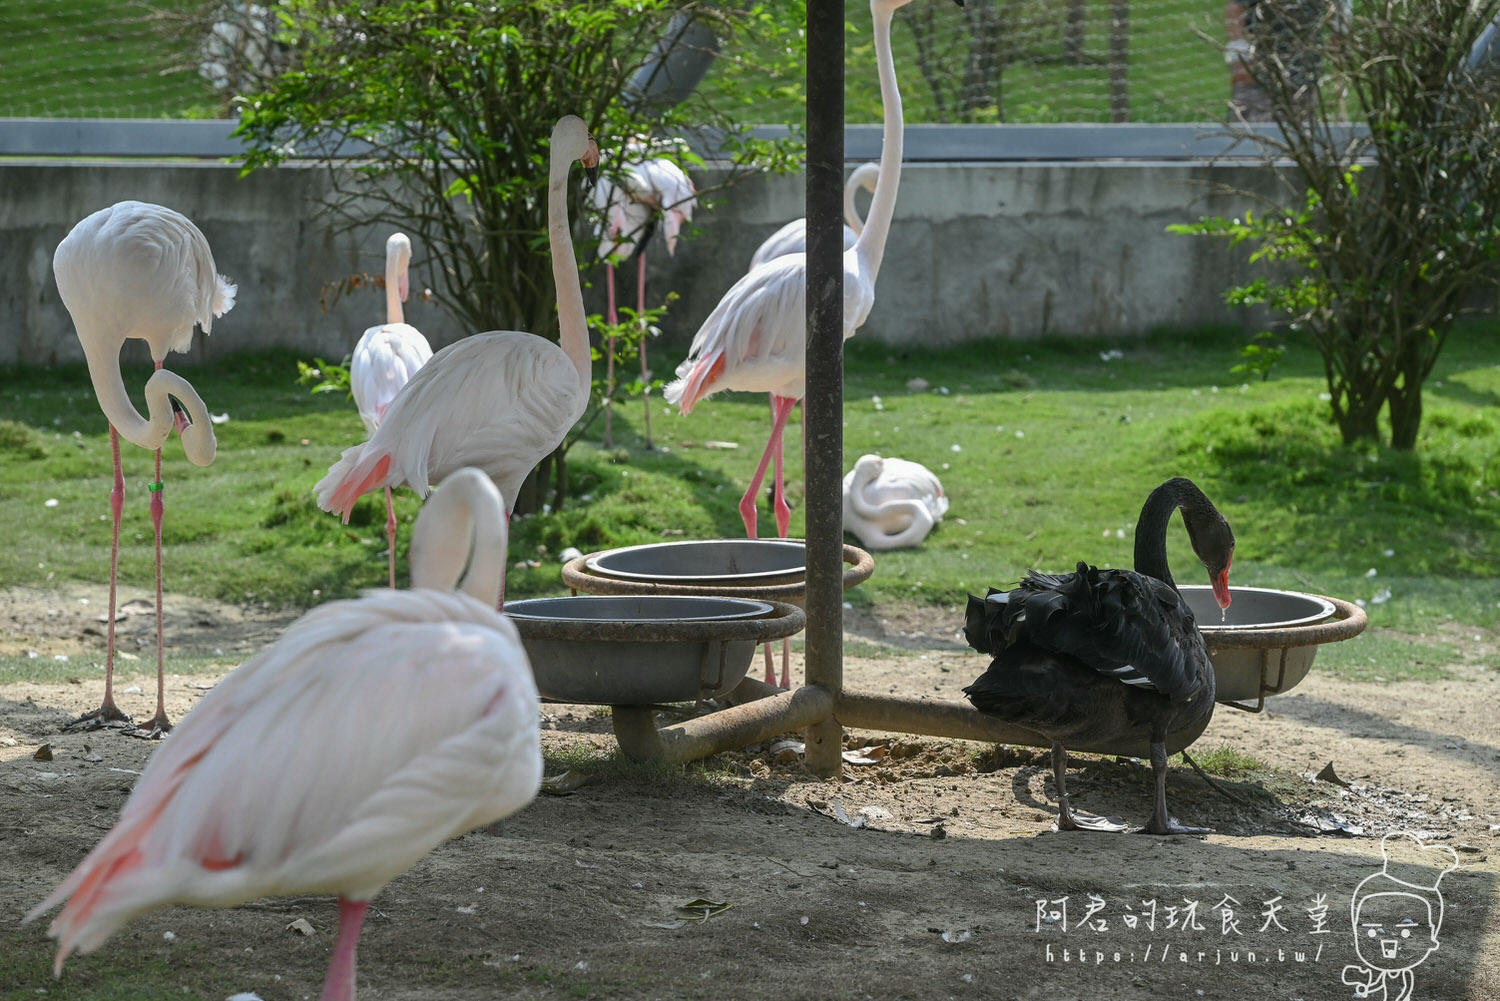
(403, 287)
(1220, 582)
(179, 415)
(590, 161)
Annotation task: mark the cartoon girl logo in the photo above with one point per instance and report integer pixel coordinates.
(1396, 914)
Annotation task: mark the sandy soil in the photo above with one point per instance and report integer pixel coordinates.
(926, 871)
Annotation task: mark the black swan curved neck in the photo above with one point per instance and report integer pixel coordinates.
(1151, 529)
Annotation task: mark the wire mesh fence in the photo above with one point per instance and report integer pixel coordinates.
(991, 61)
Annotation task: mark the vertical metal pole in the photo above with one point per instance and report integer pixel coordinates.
(823, 406)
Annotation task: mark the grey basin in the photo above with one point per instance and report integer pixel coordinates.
(731, 562)
(1267, 640)
(638, 650)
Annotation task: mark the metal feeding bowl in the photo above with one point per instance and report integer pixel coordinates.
(641, 650)
(759, 569)
(709, 562)
(1266, 640)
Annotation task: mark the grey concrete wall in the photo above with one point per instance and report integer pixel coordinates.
(976, 251)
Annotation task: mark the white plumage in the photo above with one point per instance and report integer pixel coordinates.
(299, 773)
(756, 337)
(500, 400)
(389, 354)
(892, 503)
(792, 238)
(646, 189)
(141, 270)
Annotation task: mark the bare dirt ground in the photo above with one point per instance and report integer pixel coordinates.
(926, 871)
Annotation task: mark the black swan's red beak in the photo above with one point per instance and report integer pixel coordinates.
(1220, 582)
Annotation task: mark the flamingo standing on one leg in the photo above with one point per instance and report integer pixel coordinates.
(647, 190)
(792, 238)
(228, 811)
(755, 339)
(385, 358)
(500, 400)
(140, 270)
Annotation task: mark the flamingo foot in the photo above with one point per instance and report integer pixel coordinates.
(155, 729)
(1170, 826)
(108, 715)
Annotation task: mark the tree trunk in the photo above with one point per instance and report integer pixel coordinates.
(533, 492)
(1073, 33)
(1405, 406)
(1119, 60)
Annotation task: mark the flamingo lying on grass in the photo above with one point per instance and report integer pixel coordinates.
(385, 359)
(500, 400)
(140, 270)
(756, 338)
(298, 773)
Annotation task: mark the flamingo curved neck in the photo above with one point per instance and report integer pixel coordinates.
(871, 243)
(851, 211)
(151, 431)
(461, 524)
(572, 328)
(393, 311)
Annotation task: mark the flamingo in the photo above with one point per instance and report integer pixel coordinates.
(140, 270)
(629, 210)
(500, 400)
(892, 503)
(228, 810)
(755, 339)
(792, 238)
(385, 358)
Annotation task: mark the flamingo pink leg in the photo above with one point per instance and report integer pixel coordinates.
(339, 984)
(504, 566)
(781, 408)
(159, 725)
(640, 311)
(783, 512)
(612, 317)
(390, 532)
(108, 711)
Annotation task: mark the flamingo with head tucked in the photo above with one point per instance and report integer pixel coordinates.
(500, 400)
(229, 810)
(648, 190)
(756, 338)
(385, 359)
(141, 270)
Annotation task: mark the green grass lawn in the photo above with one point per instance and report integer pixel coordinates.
(84, 58)
(1046, 450)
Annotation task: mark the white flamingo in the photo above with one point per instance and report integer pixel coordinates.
(140, 270)
(386, 357)
(500, 400)
(792, 238)
(755, 339)
(228, 810)
(647, 190)
(892, 503)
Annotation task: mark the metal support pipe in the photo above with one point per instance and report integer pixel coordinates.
(823, 406)
(948, 718)
(635, 726)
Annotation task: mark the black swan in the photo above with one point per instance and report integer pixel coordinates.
(1107, 654)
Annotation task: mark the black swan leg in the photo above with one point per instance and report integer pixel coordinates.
(1161, 821)
(1067, 820)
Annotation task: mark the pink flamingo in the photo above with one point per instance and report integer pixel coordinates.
(792, 238)
(228, 811)
(500, 400)
(385, 358)
(755, 339)
(140, 270)
(647, 189)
